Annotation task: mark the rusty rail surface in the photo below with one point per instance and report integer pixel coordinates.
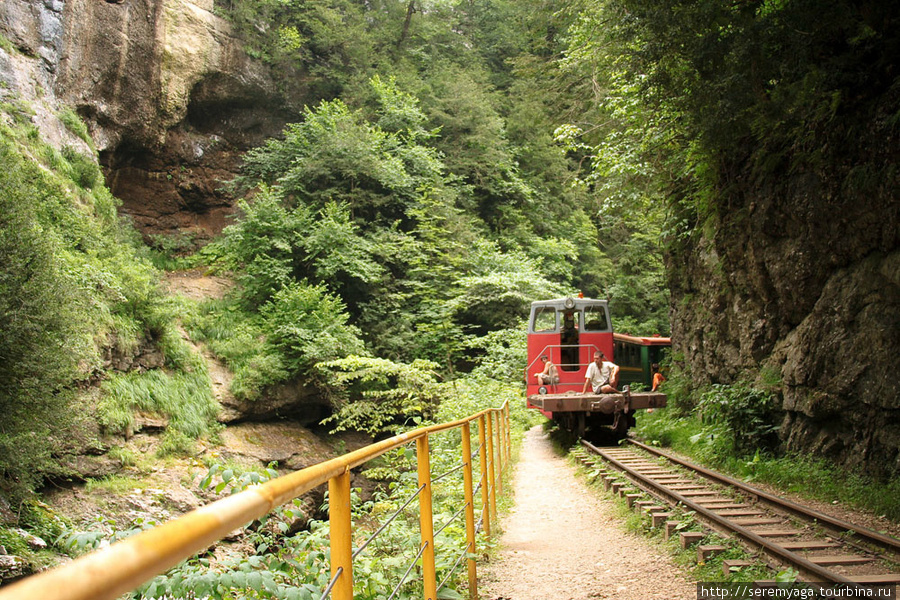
(125, 565)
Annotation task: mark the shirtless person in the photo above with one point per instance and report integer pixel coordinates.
(549, 375)
(602, 376)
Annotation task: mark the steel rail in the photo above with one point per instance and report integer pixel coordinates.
(455, 566)
(451, 519)
(458, 467)
(723, 524)
(863, 533)
(108, 573)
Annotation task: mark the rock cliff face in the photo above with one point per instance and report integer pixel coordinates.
(169, 95)
(797, 281)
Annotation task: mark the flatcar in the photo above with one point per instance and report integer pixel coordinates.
(636, 356)
(568, 331)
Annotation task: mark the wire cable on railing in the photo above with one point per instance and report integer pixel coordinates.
(477, 450)
(450, 520)
(333, 582)
(388, 521)
(450, 472)
(453, 570)
(408, 569)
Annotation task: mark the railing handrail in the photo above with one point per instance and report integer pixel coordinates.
(128, 563)
(545, 350)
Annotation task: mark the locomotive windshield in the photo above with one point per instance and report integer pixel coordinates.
(554, 316)
(544, 319)
(595, 318)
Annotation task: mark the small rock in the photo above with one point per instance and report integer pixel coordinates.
(33, 541)
(12, 567)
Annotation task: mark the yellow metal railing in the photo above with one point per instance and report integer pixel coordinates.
(127, 564)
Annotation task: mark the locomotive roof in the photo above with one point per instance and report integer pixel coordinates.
(561, 302)
(653, 340)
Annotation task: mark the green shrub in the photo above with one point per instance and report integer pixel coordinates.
(84, 171)
(379, 396)
(744, 418)
(308, 325)
(44, 332)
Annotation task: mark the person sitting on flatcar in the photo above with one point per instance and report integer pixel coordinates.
(550, 375)
(602, 376)
(658, 377)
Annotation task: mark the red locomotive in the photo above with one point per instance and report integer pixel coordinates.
(568, 331)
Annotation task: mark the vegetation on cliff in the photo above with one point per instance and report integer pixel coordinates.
(79, 303)
(769, 129)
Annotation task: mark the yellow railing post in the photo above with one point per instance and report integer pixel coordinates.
(426, 519)
(498, 432)
(341, 535)
(469, 490)
(491, 470)
(482, 457)
(508, 432)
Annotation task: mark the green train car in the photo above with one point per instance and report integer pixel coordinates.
(634, 355)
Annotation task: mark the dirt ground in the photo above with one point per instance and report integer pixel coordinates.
(563, 542)
(197, 284)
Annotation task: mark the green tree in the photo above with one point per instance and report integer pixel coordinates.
(308, 326)
(43, 337)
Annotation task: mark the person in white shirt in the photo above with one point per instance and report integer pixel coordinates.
(602, 376)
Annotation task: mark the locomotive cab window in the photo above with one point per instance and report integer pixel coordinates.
(595, 318)
(544, 320)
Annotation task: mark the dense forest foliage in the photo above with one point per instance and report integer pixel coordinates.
(428, 190)
(394, 234)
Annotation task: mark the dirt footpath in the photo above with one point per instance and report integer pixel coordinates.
(562, 542)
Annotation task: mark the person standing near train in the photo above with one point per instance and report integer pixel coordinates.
(658, 377)
(602, 376)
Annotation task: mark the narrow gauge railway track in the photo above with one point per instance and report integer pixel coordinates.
(820, 547)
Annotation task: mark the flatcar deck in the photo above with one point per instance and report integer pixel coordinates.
(599, 403)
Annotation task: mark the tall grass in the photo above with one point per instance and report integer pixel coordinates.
(184, 398)
(240, 340)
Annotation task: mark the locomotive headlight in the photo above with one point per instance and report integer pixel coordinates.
(569, 303)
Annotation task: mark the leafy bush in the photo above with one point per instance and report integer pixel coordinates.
(84, 171)
(378, 396)
(744, 419)
(308, 325)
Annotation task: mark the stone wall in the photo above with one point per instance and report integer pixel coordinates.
(796, 280)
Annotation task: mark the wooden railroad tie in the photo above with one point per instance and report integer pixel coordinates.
(704, 553)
